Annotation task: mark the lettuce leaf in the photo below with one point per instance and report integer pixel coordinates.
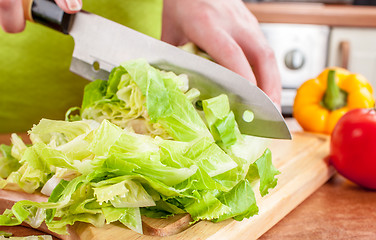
(221, 120)
(206, 207)
(264, 170)
(166, 103)
(241, 200)
(130, 217)
(8, 163)
(124, 194)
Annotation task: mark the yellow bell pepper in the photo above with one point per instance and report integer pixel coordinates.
(320, 102)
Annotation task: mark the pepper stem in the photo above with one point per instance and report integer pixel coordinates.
(334, 97)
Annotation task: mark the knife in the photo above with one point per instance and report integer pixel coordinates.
(101, 45)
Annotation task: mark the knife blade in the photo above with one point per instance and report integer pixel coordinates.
(101, 45)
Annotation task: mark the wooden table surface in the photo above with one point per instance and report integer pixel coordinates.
(337, 210)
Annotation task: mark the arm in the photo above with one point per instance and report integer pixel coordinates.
(229, 33)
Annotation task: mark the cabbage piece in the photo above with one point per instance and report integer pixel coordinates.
(166, 103)
(130, 217)
(65, 203)
(264, 170)
(221, 120)
(120, 101)
(26, 178)
(18, 146)
(60, 226)
(244, 152)
(202, 152)
(33, 237)
(128, 142)
(77, 149)
(150, 166)
(241, 200)
(104, 137)
(58, 132)
(152, 86)
(45, 158)
(163, 209)
(5, 234)
(215, 161)
(207, 207)
(146, 99)
(201, 181)
(124, 194)
(172, 153)
(147, 183)
(8, 163)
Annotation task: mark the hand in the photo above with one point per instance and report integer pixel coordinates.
(12, 18)
(229, 33)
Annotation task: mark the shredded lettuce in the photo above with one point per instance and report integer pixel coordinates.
(8, 163)
(138, 147)
(5, 236)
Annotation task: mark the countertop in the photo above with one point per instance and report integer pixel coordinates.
(337, 210)
(314, 13)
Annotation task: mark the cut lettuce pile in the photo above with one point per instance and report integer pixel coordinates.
(138, 147)
(8, 236)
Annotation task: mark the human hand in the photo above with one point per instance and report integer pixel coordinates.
(229, 33)
(12, 18)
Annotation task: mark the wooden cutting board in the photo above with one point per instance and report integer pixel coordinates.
(304, 168)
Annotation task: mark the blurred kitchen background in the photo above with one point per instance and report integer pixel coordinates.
(309, 35)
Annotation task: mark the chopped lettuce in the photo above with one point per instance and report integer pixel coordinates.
(221, 120)
(138, 147)
(8, 163)
(124, 194)
(130, 217)
(6, 235)
(206, 206)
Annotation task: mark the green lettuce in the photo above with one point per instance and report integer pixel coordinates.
(8, 163)
(138, 147)
(221, 120)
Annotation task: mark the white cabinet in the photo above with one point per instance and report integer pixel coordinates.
(300, 51)
(356, 48)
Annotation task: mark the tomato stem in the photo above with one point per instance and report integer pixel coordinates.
(334, 97)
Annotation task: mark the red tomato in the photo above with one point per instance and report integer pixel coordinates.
(353, 147)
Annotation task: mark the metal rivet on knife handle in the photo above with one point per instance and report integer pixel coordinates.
(46, 12)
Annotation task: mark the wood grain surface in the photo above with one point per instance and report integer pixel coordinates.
(314, 13)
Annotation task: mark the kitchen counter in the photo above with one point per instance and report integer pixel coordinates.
(337, 210)
(314, 13)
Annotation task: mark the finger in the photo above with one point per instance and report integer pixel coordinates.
(70, 6)
(225, 51)
(263, 62)
(11, 16)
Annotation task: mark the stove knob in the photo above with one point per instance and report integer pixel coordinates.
(294, 59)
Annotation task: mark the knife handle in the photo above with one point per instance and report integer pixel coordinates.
(47, 13)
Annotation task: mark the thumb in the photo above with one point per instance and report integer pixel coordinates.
(69, 6)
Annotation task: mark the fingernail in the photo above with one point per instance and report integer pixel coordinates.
(73, 5)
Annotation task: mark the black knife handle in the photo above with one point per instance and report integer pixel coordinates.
(46, 12)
